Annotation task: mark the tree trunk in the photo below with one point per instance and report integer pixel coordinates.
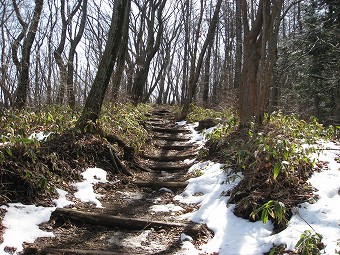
(143, 61)
(63, 68)
(70, 63)
(94, 101)
(195, 71)
(186, 18)
(238, 53)
(271, 26)
(206, 79)
(258, 60)
(4, 66)
(58, 58)
(23, 85)
(118, 74)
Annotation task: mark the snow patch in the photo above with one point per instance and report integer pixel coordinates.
(41, 136)
(62, 201)
(85, 189)
(181, 123)
(185, 237)
(233, 235)
(21, 223)
(166, 208)
(166, 190)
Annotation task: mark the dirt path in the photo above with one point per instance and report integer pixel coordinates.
(139, 214)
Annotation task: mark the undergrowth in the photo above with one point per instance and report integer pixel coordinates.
(275, 160)
(29, 167)
(198, 113)
(126, 121)
(16, 124)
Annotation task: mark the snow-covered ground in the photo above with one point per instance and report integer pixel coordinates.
(236, 236)
(21, 221)
(232, 235)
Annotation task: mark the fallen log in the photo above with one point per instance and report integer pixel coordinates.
(173, 185)
(56, 251)
(63, 214)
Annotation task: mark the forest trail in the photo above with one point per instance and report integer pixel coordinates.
(139, 214)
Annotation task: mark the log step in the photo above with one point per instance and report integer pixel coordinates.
(162, 115)
(162, 111)
(169, 167)
(176, 147)
(171, 130)
(64, 214)
(157, 185)
(156, 124)
(156, 120)
(168, 158)
(173, 138)
(56, 251)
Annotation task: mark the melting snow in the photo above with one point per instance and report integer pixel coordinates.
(233, 235)
(166, 208)
(166, 190)
(85, 189)
(39, 136)
(21, 223)
(62, 201)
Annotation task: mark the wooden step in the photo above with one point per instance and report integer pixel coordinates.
(64, 214)
(169, 156)
(171, 130)
(159, 184)
(160, 143)
(175, 138)
(156, 124)
(161, 111)
(58, 251)
(169, 166)
(176, 147)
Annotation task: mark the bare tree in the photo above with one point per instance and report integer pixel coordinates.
(27, 34)
(70, 63)
(196, 68)
(94, 101)
(4, 59)
(238, 53)
(260, 42)
(146, 55)
(67, 69)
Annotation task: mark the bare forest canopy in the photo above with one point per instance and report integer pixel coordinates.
(254, 55)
